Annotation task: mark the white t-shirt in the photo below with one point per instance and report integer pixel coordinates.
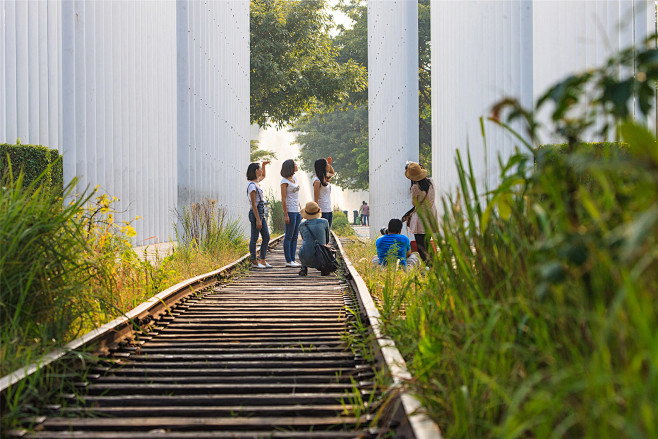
(253, 186)
(324, 200)
(292, 194)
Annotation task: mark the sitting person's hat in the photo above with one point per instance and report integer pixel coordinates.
(414, 171)
(311, 210)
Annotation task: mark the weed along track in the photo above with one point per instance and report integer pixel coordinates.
(264, 354)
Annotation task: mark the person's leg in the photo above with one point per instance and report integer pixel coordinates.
(367, 220)
(329, 216)
(413, 260)
(375, 260)
(254, 237)
(295, 235)
(287, 238)
(265, 234)
(421, 243)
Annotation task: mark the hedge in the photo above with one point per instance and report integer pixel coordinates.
(33, 160)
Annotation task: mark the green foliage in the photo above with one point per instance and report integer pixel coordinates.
(342, 135)
(341, 224)
(204, 226)
(32, 160)
(293, 63)
(45, 271)
(275, 213)
(538, 316)
(259, 155)
(66, 269)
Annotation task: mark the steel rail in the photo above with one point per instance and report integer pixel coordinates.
(252, 358)
(107, 336)
(419, 425)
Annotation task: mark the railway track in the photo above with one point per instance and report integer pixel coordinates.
(264, 355)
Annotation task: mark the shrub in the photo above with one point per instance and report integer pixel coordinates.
(341, 225)
(275, 214)
(33, 160)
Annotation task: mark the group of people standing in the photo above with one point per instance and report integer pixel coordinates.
(317, 213)
(319, 217)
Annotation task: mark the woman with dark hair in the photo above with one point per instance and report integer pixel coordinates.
(255, 174)
(422, 198)
(322, 189)
(291, 215)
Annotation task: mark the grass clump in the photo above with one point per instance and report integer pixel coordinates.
(389, 285)
(539, 314)
(207, 240)
(67, 268)
(341, 225)
(45, 269)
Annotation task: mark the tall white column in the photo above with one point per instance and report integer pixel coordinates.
(393, 105)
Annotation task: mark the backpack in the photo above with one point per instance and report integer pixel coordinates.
(324, 255)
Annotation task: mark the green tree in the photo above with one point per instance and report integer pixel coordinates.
(256, 154)
(327, 134)
(294, 70)
(342, 135)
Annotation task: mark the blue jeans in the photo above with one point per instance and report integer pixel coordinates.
(264, 233)
(290, 238)
(329, 216)
(365, 220)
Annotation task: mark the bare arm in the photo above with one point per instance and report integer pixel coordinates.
(316, 190)
(263, 165)
(330, 169)
(284, 187)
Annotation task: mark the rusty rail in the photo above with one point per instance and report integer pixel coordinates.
(106, 337)
(414, 423)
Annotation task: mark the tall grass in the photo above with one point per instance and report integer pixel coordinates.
(207, 239)
(539, 317)
(45, 269)
(68, 268)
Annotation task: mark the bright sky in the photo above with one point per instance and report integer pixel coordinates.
(339, 17)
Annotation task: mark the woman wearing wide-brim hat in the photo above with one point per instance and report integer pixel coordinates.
(422, 197)
(314, 228)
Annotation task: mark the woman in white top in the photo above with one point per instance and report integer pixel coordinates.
(322, 188)
(255, 174)
(291, 215)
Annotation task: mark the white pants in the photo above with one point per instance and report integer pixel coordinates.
(412, 260)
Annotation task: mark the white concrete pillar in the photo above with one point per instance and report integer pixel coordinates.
(393, 105)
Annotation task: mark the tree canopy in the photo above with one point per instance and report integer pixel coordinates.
(294, 67)
(343, 133)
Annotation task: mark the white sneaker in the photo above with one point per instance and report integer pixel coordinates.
(293, 264)
(267, 265)
(259, 265)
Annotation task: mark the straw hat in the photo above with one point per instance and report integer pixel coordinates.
(311, 210)
(415, 172)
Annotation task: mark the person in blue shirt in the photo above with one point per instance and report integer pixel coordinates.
(395, 247)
